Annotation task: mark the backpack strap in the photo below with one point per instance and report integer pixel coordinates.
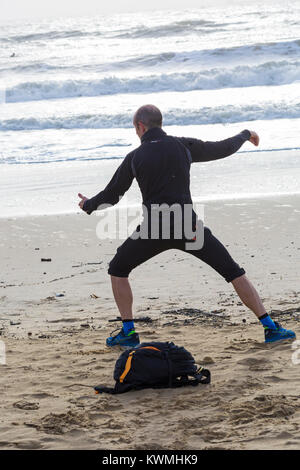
(202, 376)
(99, 389)
(118, 388)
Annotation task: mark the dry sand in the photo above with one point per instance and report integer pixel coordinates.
(55, 346)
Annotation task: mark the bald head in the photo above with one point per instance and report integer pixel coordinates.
(149, 115)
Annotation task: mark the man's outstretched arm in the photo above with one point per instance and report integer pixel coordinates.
(118, 185)
(207, 151)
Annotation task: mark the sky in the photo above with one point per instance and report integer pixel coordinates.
(32, 9)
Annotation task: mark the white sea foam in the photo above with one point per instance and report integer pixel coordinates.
(176, 116)
(241, 76)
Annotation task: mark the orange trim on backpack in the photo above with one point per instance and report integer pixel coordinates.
(127, 367)
(150, 347)
(129, 360)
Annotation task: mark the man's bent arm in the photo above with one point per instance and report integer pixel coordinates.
(118, 185)
(207, 151)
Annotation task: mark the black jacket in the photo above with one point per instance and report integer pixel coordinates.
(161, 166)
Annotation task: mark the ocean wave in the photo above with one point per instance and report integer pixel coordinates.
(146, 60)
(180, 117)
(188, 26)
(270, 50)
(270, 73)
(35, 66)
(48, 35)
(276, 48)
(259, 53)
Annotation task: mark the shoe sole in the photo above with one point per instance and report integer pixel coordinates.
(280, 339)
(121, 346)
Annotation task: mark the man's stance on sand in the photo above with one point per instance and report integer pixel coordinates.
(161, 166)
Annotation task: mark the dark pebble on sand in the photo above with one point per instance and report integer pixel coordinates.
(26, 405)
(207, 360)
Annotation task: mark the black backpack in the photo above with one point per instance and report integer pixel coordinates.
(155, 365)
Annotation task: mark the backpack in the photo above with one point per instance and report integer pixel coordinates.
(155, 365)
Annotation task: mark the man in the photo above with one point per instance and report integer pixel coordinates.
(161, 166)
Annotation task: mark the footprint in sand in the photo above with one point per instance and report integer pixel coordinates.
(261, 407)
(101, 416)
(274, 378)
(109, 359)
(32, 445)
(60, 423)
(106, 405)
(254, 362)
(284, 435)
(42, 395)
(6, 445)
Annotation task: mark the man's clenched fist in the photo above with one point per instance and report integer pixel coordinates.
(83, 199)
(254, 139)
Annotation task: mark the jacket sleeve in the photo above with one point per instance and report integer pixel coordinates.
(207, 151)
(118, 185)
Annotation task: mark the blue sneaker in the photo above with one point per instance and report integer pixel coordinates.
(126, 341)
(279, 334)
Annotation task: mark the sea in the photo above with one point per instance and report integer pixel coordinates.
(69, 88)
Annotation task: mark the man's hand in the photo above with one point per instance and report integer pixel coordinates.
(83, 199)
(254, 139)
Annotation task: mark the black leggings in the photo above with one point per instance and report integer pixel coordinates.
(132, 253)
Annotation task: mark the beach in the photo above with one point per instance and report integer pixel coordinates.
(70, 85)
(55, 316)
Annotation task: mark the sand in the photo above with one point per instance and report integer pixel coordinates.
(54, 318)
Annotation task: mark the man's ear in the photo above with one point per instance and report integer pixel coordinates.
(142, 127)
